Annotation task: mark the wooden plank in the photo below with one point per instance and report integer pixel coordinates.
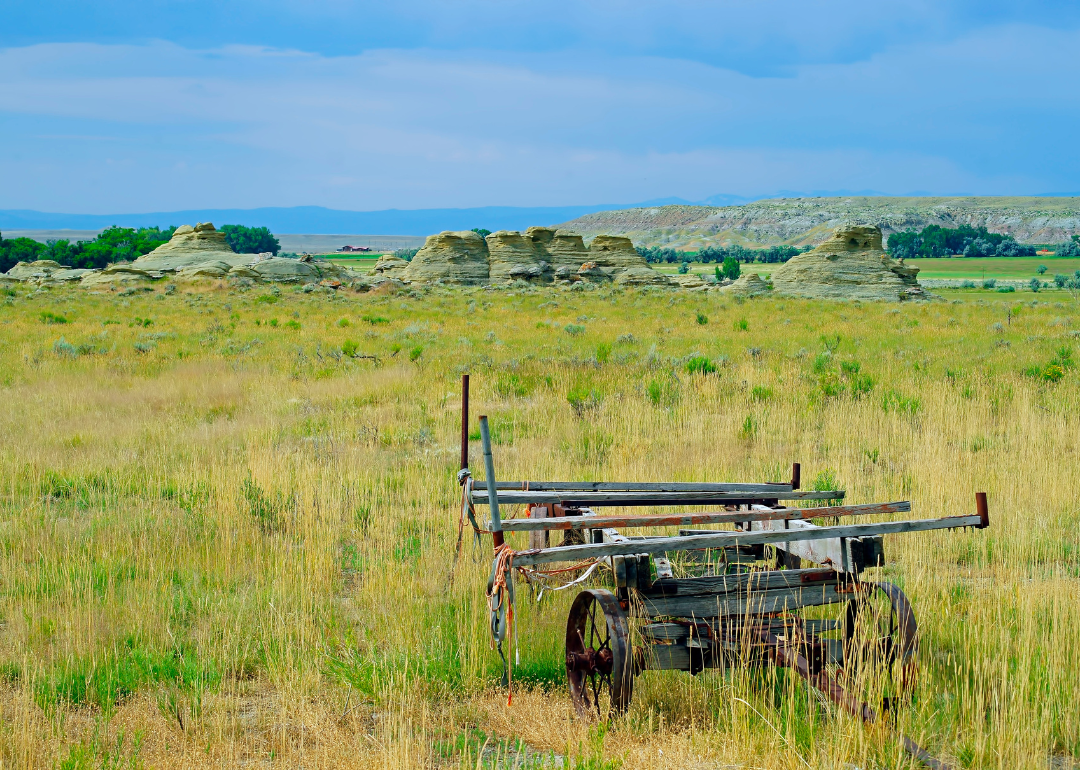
(842, 554)
(667, 657)
(836, 494)
(633, 486)
(576, 499)
(666, 632)
(747, 581)
(752, 603)
(677, 632)
(537, 538)
(722, 539)
(690, 519)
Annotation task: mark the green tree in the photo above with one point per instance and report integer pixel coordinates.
(1071, 247)
(482, 232)
(730, 268)
(250, 240)
(15, 250)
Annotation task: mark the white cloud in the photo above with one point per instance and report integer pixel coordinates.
(160, 127)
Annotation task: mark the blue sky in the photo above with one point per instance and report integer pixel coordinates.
(148, 106)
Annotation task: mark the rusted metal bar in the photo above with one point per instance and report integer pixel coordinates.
(711, 517)
(489, 472)
(464, 421)
(983, 509)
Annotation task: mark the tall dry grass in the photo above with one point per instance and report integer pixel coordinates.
(225, 542)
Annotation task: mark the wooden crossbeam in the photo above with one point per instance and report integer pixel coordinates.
(722, 539)
(689, 519)
(635, 486)
(737, 493)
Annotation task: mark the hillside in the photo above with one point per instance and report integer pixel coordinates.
(800, 221)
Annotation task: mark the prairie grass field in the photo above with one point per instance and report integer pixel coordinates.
(228, 519)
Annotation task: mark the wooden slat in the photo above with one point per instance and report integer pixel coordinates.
(667, 657)
(689, 519)
(747, 581)
(634, 486)
(752, 603)
(575, 499)
(722, 539)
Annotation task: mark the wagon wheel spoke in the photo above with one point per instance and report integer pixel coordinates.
(596, 654)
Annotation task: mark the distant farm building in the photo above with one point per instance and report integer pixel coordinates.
(353, 249)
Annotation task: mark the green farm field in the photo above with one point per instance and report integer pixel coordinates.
(1024, 268)
(1016, 268)
(228, 519)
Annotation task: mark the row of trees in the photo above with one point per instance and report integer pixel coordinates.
(123, 244)
(719, 254)
(938, 241)
(1071, 248)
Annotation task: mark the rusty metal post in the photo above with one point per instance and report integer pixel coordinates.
(983, 510)
(489, 472)
(464, 421)
(796, 475)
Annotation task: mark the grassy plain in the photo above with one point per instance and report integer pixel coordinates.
(224, 542)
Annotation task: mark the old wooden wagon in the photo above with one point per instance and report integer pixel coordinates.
(751, 595)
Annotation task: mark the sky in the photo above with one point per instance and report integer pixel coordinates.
(154, 105)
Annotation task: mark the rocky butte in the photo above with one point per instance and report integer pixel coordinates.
(849, 265)
(539, 255)
(192, 253)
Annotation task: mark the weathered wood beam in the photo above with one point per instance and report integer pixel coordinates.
(634, 486)
(688, 519)
(752, 603)
(722, 539)
(688, 497)
(761, 580)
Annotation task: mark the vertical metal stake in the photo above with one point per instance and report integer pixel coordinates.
(489, 471)
(796, 475)
(464, 421)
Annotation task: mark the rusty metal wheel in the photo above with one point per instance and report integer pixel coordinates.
(598, 655)
(881, 636)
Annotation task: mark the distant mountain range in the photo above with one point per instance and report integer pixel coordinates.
(320, 220)
(421, 222)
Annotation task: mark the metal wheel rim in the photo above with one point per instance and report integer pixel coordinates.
(598, 660)
(896, 648)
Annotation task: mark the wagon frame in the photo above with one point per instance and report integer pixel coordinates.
(747, 608)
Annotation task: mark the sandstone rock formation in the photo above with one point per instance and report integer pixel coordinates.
(44, 272)
(849, 265)
(641, 276)
(615, 253)
(565, 248)
(190, 246)
(452, 257)
(539, 255)
(689, 281)
(749, 285)
(513, 256)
